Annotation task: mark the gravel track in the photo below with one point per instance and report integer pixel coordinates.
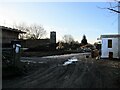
(85, 73)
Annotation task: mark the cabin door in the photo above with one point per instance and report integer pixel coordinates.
(110, 55)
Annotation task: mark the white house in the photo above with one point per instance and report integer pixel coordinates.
(110, 46)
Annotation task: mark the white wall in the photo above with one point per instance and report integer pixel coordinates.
(105, 50)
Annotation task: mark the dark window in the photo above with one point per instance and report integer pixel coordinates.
(110, 55)
(109, 43)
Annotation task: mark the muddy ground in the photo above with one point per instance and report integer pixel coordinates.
(49, 72)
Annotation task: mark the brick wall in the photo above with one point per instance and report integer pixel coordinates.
(34, 43)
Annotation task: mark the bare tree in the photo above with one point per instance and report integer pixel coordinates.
(38, 31)
(33, 31)
(23, 27)
(68, 39)
(113, 8)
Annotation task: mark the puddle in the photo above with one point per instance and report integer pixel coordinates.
(70, 61)
(58, 56)
(40, 62)
(28, 61)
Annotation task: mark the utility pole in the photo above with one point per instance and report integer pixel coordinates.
(119, 29)
(119, 18)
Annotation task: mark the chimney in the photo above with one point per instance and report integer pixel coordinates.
(53, 37)
(53, 40)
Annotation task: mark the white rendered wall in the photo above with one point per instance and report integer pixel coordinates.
(105, 50)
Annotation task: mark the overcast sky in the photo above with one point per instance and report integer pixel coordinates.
(74, 18)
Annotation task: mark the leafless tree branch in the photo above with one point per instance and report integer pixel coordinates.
(112, 8)
(117, 11)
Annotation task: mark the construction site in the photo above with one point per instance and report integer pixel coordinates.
(51, 68)
(66, 71)
(34, 62)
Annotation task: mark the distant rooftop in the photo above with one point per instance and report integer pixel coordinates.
(11, 29)
(110, 36)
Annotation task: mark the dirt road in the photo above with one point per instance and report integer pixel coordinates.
(84, 73)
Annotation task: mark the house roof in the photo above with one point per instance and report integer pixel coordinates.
(11, 29)
(110, 36)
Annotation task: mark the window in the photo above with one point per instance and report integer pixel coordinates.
(110, 55)
(109, 43)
